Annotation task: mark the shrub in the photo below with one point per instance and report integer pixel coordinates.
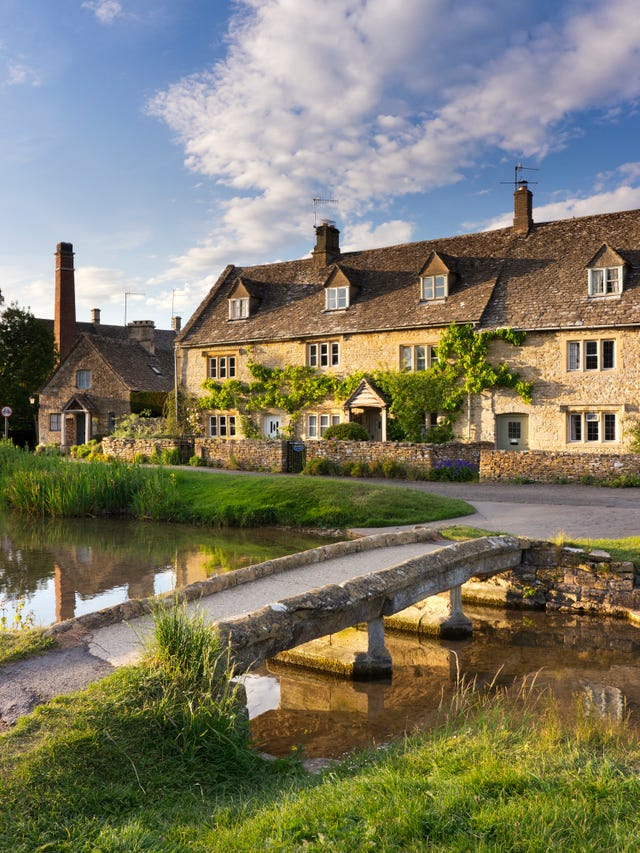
(196, 461)
(350, 431)
(140, 458)
(320, 467)
(392, 469)
(455, 470)
(170, 456)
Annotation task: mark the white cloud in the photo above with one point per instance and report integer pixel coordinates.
(106, 11)
(19, 74)
(294, 111)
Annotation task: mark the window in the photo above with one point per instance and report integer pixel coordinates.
(222, 426)
(111, 421)
(222, 367)
(323, 355)
(55, 422)
(605, 281)
(418, 357)
(592, 426)
(239, 308)
(317, 425)
(597, 355)
(83, 379)
(336, 298)
(434, 287)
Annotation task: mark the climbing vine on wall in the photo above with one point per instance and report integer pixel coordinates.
(462, 370)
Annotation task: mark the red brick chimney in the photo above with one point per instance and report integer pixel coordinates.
(522, 209)
(64, 322)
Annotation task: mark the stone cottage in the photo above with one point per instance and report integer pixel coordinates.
(572, 285)
(104, 371)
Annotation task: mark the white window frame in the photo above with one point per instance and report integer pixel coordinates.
(222, 426)
(434, 287)
(604, 281)
(318, 424)
(414, 358)
(325, 354)
(312, 426)
(239, 308)
(55, 422)
(83, 379)
(593, 427)
(222, 366)
(591, 355)
(337, 298)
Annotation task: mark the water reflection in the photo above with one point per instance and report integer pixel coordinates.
(64, 568)
(595, 662)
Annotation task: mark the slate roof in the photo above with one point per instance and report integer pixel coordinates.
(137, 368)
(532, 281)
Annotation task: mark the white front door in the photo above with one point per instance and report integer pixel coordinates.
(272, 426)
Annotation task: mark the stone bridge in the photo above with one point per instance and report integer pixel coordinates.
(368, 599)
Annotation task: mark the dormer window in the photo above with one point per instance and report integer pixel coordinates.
(605, 280)
(239, 308)
(337, 298)
(434, 287)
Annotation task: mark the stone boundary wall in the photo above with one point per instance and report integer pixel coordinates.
(127, 449)
(246, 454)
(550, 466)
(419, 456)
(565, 579)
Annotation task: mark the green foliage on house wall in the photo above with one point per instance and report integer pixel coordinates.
(462, 370)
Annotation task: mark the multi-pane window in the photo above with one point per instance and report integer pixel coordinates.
(222, 426)
(418, 357)
(324, 354)
(434, 287)
(317, 425)
(605, 280)
(337, 297)
(222, 367)
(55, 422)
(592, 426)
(239, 308)
(591, 355)
(83, 379)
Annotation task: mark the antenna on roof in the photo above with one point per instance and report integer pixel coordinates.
(317, 201)
(517, 180)
(127, 294)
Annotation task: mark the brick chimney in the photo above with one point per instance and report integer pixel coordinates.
(143, 333)
(522, 209)
(327, 248)
(64, 318)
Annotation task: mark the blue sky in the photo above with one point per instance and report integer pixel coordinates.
(168, 138)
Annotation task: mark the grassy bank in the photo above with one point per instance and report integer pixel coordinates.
(157, 758)
(50, 486)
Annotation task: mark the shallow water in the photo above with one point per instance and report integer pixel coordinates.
(58, 569)
(595, 663)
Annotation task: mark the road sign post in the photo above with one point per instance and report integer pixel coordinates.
(6, 412)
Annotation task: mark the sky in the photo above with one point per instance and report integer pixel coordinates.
(166, 139)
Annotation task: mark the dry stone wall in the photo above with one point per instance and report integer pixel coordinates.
(422, 457)
(553, 466)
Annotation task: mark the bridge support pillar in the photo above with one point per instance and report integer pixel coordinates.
(376, 661)
(456, 624)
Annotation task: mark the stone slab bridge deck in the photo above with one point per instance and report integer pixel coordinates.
(272, 607)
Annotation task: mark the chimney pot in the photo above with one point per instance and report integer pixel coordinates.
(176, 323)
(95, 316)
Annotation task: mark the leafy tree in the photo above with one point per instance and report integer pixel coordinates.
(27, 357)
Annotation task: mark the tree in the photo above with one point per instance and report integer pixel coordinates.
(27, 357)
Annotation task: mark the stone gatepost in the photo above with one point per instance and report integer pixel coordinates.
(376, 661)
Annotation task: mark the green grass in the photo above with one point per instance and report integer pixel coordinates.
(15, 645)
(129, 765)
(623, 550)
(241, 500)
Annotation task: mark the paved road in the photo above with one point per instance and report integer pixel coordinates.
(538, 511)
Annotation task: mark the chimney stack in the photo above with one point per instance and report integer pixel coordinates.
(95, 316)
(327, 248)
(64, 322)
(142, 332)
(522, 209)
(176, 323)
